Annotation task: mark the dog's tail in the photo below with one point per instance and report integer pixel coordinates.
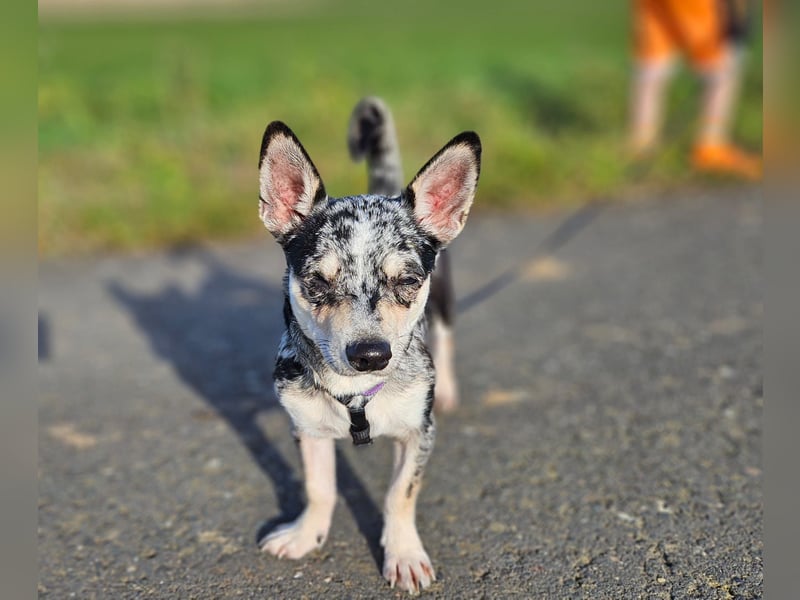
(371, 135)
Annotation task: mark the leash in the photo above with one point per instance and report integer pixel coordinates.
(356, 406)
(567, 229)
(579, 219)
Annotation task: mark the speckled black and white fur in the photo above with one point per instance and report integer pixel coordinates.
(360, 270)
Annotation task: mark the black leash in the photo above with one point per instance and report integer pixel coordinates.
(574, 223)
(568, 229)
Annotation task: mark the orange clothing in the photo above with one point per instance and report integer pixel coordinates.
(701, 29)
(725, 158)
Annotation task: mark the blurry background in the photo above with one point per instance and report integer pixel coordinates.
(609, 440)
(151, 113)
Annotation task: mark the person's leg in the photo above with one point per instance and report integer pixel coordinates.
(713, 150)
(654, 51)
(704, 29)
(722, 84)
(647, 103)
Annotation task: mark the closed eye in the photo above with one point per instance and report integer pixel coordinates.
(408, 281)
(317, 286)
(406, 287)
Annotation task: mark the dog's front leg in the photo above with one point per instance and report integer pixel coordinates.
(406, 564)
(310, 530)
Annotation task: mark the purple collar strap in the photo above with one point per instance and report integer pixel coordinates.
(374, 390)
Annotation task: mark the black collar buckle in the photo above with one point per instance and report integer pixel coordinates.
(359, 427)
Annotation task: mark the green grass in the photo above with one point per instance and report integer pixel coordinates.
(149, 131)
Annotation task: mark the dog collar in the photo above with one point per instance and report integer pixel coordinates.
(373, 390)
(359, 426)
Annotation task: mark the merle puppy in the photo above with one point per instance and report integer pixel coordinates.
(353, 361)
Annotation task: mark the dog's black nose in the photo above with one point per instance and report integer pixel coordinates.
(369, 356)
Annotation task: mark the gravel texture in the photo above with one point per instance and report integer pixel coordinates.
(608, 444)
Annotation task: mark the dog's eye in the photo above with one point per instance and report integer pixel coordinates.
(407, 285)
(317, 286)
(408, 281)
(406, 288)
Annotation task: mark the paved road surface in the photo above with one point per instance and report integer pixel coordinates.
(608, 445)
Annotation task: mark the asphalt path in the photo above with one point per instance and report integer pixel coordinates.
(608, 444)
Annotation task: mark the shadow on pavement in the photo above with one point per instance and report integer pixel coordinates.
(221, 341)
(43, 337)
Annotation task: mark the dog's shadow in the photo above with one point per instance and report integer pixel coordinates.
(221, 340)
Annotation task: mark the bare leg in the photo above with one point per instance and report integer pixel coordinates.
(310, 530)
(721, 93)
(713, 150)
(406, 564)
(647, 103)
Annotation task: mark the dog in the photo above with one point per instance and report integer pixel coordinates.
(365, 277)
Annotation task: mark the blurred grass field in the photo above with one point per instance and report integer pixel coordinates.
(149, 129)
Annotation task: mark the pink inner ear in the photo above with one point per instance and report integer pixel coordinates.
(288, 186)
(443, 194)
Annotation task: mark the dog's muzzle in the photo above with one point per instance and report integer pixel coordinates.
(371, 355)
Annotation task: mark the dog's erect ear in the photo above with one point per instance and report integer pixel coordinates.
(289, 184)
(443, 190)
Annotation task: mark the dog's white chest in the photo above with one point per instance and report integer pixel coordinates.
(393, 411)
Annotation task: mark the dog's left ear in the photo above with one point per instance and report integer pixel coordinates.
(289, 184)
(443, 190)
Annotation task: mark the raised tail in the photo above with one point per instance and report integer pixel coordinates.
(371, 135)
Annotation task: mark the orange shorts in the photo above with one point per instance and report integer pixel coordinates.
(698, 28)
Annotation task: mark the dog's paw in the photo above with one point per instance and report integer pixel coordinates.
(410, 571)
(294, 540)
(406, 564)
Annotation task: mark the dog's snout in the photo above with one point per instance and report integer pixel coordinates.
(372, 355)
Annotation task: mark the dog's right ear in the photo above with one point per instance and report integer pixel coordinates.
(443, 190)
(289, 184)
